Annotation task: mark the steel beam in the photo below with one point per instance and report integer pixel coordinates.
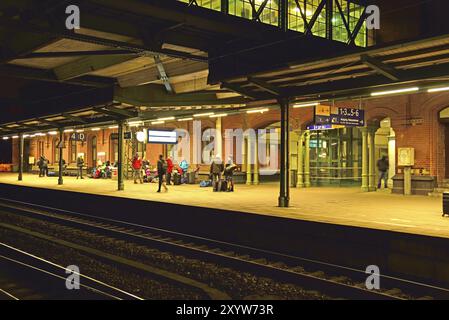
(380, 67)
(284, 193)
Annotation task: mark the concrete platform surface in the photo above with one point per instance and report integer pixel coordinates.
(342, 206)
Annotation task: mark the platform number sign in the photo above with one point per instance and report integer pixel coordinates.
(78, 136)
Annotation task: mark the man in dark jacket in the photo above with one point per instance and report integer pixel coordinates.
(216, 170)
(161, 172)
(40, 164)
(80, 165)
(383, 166)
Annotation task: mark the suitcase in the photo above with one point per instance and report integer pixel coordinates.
(224, 186)
(177, 179)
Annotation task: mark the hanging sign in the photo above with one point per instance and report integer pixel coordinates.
(347, 117)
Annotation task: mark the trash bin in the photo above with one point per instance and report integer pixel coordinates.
(114, 172)
(191, 177)
(445, 204)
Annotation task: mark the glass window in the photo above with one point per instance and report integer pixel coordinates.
(248, 9)
(94, 151)
(73, 151)
(306, 8)
(352, 13)
(114, 150)
(210, 4)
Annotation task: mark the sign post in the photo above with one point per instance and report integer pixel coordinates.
(406, 159)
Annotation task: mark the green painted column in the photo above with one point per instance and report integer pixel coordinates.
(372, 159)
(256, 163)
(307, 182)
(61, 138)
(365, 159)
(300, 158)
(20, 178)
(121, 156)
(248, 161)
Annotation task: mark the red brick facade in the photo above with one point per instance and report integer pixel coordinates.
(414, 118)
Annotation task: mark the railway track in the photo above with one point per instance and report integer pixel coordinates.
(25, 276)
(330, 279)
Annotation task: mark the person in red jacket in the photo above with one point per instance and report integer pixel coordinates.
(137, 169)
(170, 167)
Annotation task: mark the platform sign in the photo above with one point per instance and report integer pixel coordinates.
(127, 135)
(333, 116)
(316, 127)
(162, 137)
(78, 136)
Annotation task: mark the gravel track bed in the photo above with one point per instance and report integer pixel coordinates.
(238, 285)
(140, 286)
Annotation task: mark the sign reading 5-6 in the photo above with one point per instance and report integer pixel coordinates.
(78, 136)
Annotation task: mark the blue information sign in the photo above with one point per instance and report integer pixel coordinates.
(347, 117)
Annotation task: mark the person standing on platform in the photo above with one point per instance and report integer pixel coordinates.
(383, 166)
(170, 167)
(229, 174)
(80, 165)
(184, 166)
(137, 169)
(45, 166)
(216, 170)
(161, 172)
(40, 164)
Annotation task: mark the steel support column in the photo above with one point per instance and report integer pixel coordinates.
(61, 138)
(307, 181)
(365, 160)
(121, 156)
(284, 194)
(372, 159)
(283, 15)
(21, 157)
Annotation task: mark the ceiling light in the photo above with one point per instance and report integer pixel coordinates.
(95, 129)
(304, 105)
(15, 137)
(219, 115)
(258, 110)
(113, 127)
(438, 89)
(157, 122)
(185, 119)
(135, 123)
(69, 130)
(383, 93)
(52, 133)
(203, 114)
(5, 138)
(166, 119)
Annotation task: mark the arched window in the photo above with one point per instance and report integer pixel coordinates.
(73, 153)
(113, 143)
(94, 150)
(55, 151)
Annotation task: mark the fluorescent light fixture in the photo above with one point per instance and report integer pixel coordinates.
(52, 133)
(69, 130)
(219, 115)
(185, 119)
(32, 135)
(135, 123)
(5, 138)
(304, 105)
(438, 89)
(113, 127)
(208, 114)
(383, 93)
(166, 119)
(26, 135)
(158, 122)
(15, 137)
(258, 110)
(80, 130)
(40, 134)
(95, 129)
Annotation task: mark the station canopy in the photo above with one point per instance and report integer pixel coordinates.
(150, 59)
